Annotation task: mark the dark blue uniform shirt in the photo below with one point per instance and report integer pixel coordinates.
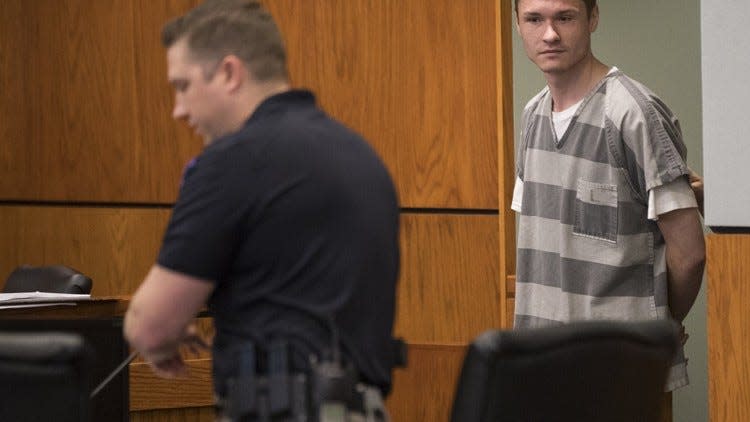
(296, 220)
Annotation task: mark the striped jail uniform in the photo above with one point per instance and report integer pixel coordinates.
(586, 248)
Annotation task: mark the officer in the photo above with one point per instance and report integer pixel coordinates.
(286, 227)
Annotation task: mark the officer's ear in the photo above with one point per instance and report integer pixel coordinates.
(233, 73)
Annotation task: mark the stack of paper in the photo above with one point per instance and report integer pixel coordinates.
(36, 299)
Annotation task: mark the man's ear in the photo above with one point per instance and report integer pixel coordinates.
(233, 71)
(518, 24)
(594, 18)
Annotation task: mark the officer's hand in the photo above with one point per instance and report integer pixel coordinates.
(169, 367)
(170, 364)
(193, 341)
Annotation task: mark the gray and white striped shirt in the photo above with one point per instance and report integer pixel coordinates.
(586, 247)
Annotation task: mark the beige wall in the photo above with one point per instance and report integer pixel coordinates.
(658, 43)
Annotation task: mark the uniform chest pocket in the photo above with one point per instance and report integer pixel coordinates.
(596, 211)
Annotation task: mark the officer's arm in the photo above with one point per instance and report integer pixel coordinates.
(160, 312)
(686, 256)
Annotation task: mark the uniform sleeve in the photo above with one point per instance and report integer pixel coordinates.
(205, 226)
(646, 137)
(517, 203)
(674, 195)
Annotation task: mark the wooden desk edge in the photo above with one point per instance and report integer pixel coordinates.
(97, 307)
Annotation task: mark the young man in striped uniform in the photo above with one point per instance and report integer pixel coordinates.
(609, 226)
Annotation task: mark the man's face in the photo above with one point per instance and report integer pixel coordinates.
(556, 33)
(200, 102)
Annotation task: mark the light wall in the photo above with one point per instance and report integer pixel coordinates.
(656, 42)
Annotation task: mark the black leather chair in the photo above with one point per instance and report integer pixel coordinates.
(51, 279)
(585, 371)
(45, 377)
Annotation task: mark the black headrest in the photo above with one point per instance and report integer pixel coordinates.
(41, 347)
(658, 333)
(51, 279)
(584, 371)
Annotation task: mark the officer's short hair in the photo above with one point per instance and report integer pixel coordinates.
(243, 28)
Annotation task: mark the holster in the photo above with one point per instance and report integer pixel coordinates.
(273, 392)
(277, 394)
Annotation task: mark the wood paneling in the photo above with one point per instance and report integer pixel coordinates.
(510, 300)
(202, 414)
(412, 399)
(205, 328)
(85, 116)
(114, 246)
(14, 104)
(449, 290)
(148, 391)
(506, 152)
(417, 78)
(85, 110)
(728, 327)
(76, 93)
(99, 125)
(163, 145)
(424, 391)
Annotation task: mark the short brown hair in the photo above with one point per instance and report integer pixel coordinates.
(243, 28)
(590, 4)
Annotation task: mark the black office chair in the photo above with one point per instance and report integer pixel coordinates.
(45, 377)
(585, 371)
(51, 279)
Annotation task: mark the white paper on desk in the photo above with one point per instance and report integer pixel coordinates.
(37, 305)
(37, 297)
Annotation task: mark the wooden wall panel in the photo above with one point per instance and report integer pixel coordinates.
(149, 392)
(728, 327)
(506, 154)
(86, 118)
(114, 246)
(163, 145)
(77, 92)
(412, 398)
(449, 290)
(424, 392)
(86, 109)
(418, 78)
(99, 125)
(14, 104)
(510, 300)
(201, 414)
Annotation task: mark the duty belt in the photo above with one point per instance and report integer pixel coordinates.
(327, 392)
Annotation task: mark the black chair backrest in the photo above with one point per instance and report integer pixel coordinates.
(51, 279)
(45, 377)
(584, 371)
